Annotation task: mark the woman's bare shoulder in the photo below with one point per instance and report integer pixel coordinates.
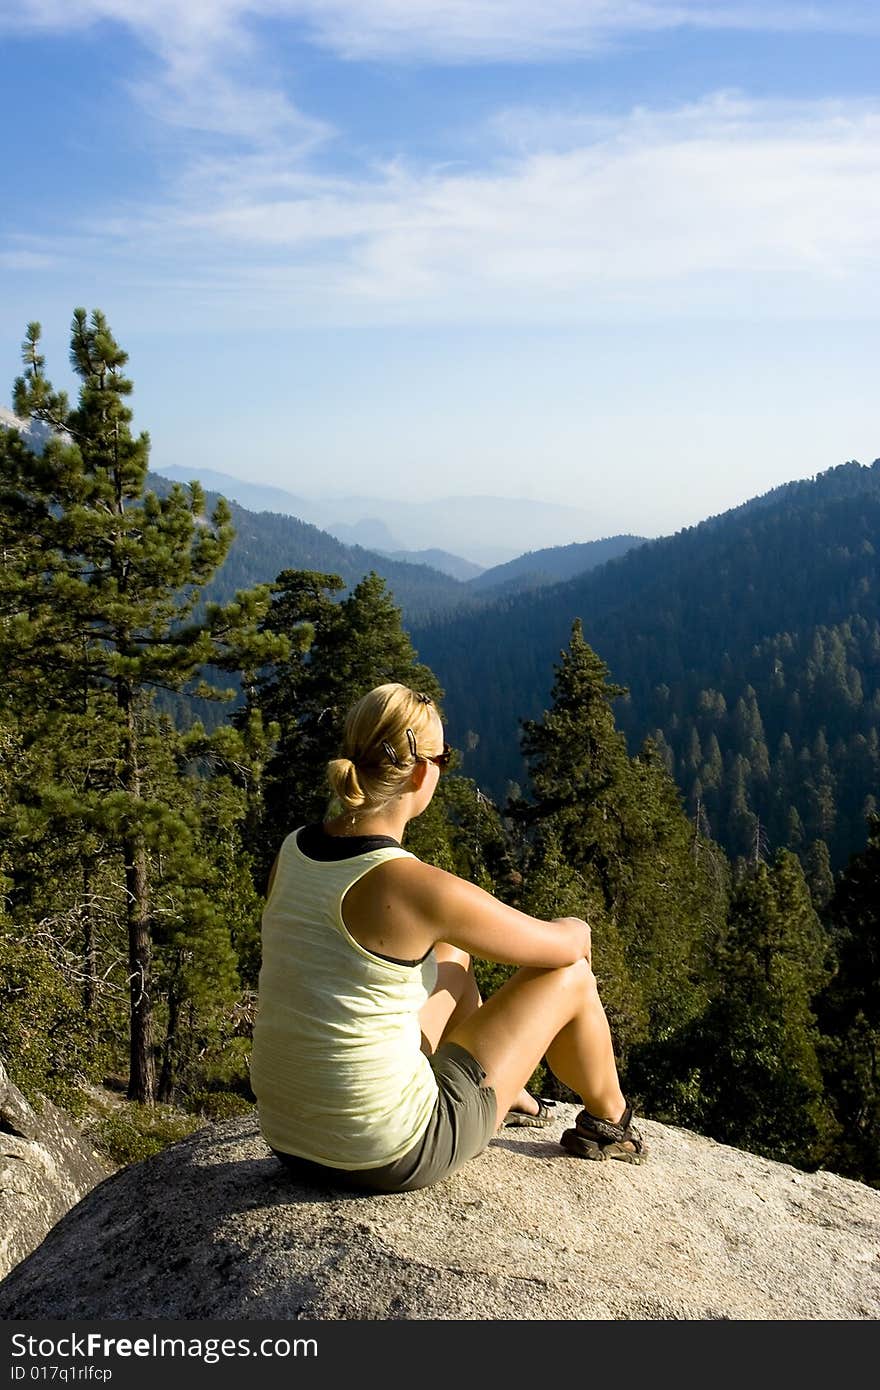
(421, 881)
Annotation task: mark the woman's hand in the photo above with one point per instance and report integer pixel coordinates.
(582, 928)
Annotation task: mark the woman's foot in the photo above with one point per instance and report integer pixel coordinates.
(596, 1138)
(528, 1111)
(525, 1103)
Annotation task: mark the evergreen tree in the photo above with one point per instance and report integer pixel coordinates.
(820, 879)
(849, 1011)
(618, 825)
(578, 762)
(755, 1055)
(98, 595)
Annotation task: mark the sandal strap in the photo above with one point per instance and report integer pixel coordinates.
(606, 1131)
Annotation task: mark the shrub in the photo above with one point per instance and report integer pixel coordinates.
(135, 1132)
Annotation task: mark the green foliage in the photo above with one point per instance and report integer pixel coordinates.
(44, 1036)
(849, 1010)
(220, 1105)
(755, 1053)
(614, 846)
(97, 595)
(135, 1132)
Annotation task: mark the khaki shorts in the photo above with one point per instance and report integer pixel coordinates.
(461, 1125)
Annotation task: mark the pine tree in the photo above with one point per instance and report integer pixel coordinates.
(756, 1052)
(820, 879)
(849, 1011)
(98, 596)
(618, 824)
(578, 762)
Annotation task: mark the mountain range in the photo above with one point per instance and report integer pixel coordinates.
(749, 647)
(268, 542)
(486, 531)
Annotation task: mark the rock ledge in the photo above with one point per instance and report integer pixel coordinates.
(214, 1227)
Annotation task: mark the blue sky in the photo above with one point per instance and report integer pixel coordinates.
(619, 254)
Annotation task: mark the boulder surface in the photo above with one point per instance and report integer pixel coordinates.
(45, 1167)
(214, 1227)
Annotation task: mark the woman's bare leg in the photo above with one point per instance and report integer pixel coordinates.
(553, 1012)
(455, 999)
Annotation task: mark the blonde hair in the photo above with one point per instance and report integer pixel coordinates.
(382, 732)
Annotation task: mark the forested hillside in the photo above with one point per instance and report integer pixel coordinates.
(750, 646)
(549, 566)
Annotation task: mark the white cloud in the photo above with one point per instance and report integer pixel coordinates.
(208, 73)
(514, 30)
(212, 67)
(442, 30)
(716, 207)
(695, 209)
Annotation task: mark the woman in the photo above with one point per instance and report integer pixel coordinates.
(373, 1056)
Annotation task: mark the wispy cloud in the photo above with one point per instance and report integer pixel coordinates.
(696, 208)
(212, 67)
(207, 69)
(521, 30)
(688, 209)
(445, 30)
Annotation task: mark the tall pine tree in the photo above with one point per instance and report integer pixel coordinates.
(617, 822)
(97, 596)
(849, 1011)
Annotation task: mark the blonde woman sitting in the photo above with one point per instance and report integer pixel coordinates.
(373, 1056)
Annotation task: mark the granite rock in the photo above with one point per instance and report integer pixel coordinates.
(46, 1166)
(214, 1227)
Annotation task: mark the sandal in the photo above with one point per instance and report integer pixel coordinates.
(522, 1117)
(601, 1139)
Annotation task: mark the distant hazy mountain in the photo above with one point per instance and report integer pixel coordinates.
(370, 532)
(257, 497)
(540, 567)
(487, 530)
(441, 560)
(426, 584)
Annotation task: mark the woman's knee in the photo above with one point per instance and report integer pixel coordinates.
(579, 977)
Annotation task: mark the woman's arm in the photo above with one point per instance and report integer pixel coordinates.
(408, 906)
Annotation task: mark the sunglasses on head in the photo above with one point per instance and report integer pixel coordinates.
(441, 760)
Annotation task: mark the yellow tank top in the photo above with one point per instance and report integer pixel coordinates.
(336, 1067)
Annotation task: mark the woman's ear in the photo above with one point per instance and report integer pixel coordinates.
(418, 775)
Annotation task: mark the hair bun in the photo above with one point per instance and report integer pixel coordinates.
(345, 783)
